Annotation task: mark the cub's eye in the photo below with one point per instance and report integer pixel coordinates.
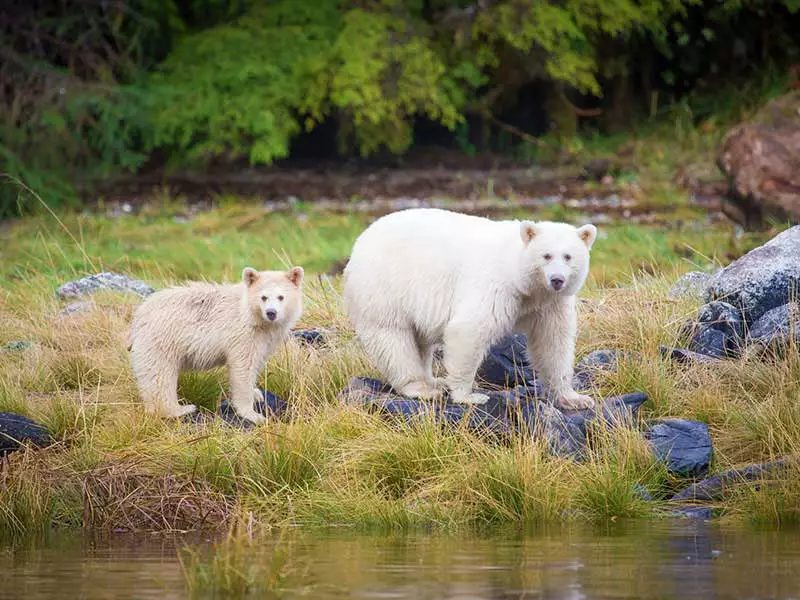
(548, 256)
(280, 298)
(264, 298)
(567, 257)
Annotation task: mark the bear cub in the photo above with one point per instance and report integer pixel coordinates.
(203, 325)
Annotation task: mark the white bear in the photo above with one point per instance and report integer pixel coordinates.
(204, 325)
(420, 277)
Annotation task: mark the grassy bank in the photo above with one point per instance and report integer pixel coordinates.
(116, 467)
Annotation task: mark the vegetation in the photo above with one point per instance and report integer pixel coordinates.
(328, 463)
(98, 88)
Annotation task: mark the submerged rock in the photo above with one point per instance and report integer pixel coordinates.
(103, 281)
(693, 284)
(714, 488)
(16, 430)
(763, 279)
(685, 446)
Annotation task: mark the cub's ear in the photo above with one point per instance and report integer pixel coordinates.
(249, 276)
(295, 275)
(588, 233)
(527, 231)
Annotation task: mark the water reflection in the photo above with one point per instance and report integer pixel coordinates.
(662, 560)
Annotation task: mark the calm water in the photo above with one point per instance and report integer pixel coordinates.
(665, 560)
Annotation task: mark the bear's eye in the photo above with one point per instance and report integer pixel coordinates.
(567, 257)
(548, 256)
(280, 298)
(264, 298)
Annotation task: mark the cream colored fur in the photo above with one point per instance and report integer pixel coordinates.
(202, 325)
(421, 277)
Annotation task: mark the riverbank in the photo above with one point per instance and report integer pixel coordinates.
(114, 468)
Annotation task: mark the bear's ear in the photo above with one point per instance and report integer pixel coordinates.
(527, 231)
(295, 275)
(588, 233)
(249, 276)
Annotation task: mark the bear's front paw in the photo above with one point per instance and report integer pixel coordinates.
(419, 389)
(183, 409)
(251, 415)
(576, 401)
(471, 398)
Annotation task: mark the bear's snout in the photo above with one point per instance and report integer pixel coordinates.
(272, 314)
(557, 282)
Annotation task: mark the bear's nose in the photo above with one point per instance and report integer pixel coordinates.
(272, 314)
(557, 282)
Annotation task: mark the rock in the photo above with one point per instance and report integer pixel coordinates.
(311, 337)
(16, 430)
(617, 411)
(681, 356)
(685, 446)
(506, 364)
(272, 407)
(543, 420)
(762, 279)
(702, 513)
(691, 285)
(714, 488)
(75, 308)
(718, 331)
(593, 364)
(761, 159)
(103, 281)
(777, 326)
(18, 345)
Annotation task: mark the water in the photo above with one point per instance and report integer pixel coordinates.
(662, 560)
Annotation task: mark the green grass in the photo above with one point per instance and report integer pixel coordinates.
(114, 466)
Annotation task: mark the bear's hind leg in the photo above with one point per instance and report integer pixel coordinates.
(158, 385)
(396, 355)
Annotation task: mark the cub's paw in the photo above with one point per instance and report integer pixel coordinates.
(576, 401)
(251, 415)
(180, 411)
(471, 398)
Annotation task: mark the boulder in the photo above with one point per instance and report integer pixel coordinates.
(685, 357)
(714, 488)
(506, 364)
(593, 364)
(311, 337)
(691, 285)
(272, 407)
(777, 326)
(718, 330)
(103, 281)
(16, 430)
(18, 345)
(764, 278)
(685, 446)
(761, 159)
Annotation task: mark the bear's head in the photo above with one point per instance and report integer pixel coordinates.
(556, 255)
(274, 297)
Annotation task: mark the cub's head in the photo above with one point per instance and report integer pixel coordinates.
(556, 255)
(274, 296)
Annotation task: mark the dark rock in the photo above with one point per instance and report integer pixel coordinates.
(685, 446)
(272, 407)
(617, 411)
(714, 488)
(777, 326)
(681, 356)
(761, 159)
(692, 285)
(642, 493)
(593, 364)
(702, 513)
(18, 345)
(16, 430)
(312, 337)
(506, 364)
(763, 279)
(718, 331)
(103, 281)
(544, 421)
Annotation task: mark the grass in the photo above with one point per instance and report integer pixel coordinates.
(115, 467)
